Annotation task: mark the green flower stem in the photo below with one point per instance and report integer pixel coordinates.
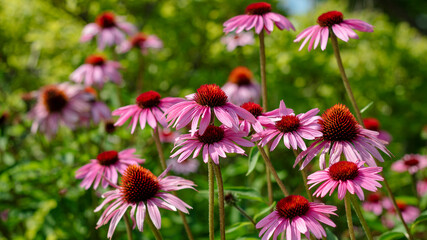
(156, 137)
(140, 77)
(153, 228)
(356, 207)
(128, 227)
(304, 178)
(243, 212)
(348, 215)
(219, 182)
(211, 200)
(273, 171)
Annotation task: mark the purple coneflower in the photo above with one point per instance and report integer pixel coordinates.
(343, 135)
(166, 135)
(374, 125)
(105, 166)
(411, 163)
(232, 40)
(143, 192)
(292, 128)
(257, 111)
(57, 104)
(142, 42)
(98, 109)
(241, 87)
(296, 215)
(149, 109)
(373, 203)
(332, 21)
(209, 99)
(189, 165)
(97, 70)
(409, 212)
(422, 187)
(347, 176)
(215, 142)
(258, 16)
(109, 28)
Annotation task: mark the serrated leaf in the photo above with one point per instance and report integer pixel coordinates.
(366, 107)
(392, 235)
(252, 160)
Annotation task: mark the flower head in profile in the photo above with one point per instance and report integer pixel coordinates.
(332, 23)
(373, 203)
(233, 40)
(258, 16)
(106, 166)
(343, 135)
(296, 215)
(142, 42)
(411, 163)
(241, 87)
(56, 105)
(409, 212)
(291, 128)
(98, 109)
(143, 192)
(209, 100)
(109, 29)
(149, 108)
(189, 165)
(374, 125)
(347, 176)
(215, 142)
(422, 187)
(96, 71)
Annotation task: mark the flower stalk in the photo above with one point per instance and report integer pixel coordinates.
(348, 215)
(273, 171)
(356, 207)
(211, 200)
(155, 231)
(128, 227)
(219, 182)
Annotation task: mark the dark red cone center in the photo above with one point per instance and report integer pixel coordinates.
(138, 40)
(96, 60)
(139, 184)
(148, 99)
(108, 158)
(106, 20)
(259, 8)
(211, 135)
(288, 123)
(240, 76)
(374, 197)
(338, 124)
(292, 206)
(411, 162)
(343, 171)
(210, 95)
(54, 99)
(253, 108)
(371, 124)
(330, 18)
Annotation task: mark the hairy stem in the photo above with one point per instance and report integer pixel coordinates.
(348, 215)
(219, 182)
(211, 200)
(273, 171)
(356, 207)
(243, 212)
(128, 227)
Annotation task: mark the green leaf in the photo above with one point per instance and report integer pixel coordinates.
(265, 210)
(330, 235)
(252, 160)
(421, 218)
(392, 235)
(237, 226)
(367, 107)
(245, 192)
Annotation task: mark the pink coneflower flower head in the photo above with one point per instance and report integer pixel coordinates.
(291, 128)
(257, 111)
(98, 109)
(422, 187)
(105, 167)
(233, 40)
(142, 42)
(215, 142)
(142, 191)
(97, 70)
(374, 125)
(241, 87)
(209, 99)
(332, 22)
(189, 165)
(373, 203)
(166, 135)
(258, 16)
(411, 163)
(343, 135)
(347, 176)
(58, 104)
(149, 108)
(109, 29)
(409, 212)
(296, 215)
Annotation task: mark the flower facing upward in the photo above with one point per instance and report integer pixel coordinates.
(149, 108)
(142, 191)
(332, 21)
(106, 165)
(374, 125)
(142, 42)
(209, 99)
(258, 16)
(411, 163)
(109, 28)
(233, 40)
(57, 104)
(292, 128)
(347, 176)
(241, 88)
(296, 215)
(97, 70)
(373, 203)
(343, 135)
(215, 142)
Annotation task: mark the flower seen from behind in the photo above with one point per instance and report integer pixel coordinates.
(331, 23)
(295, 215)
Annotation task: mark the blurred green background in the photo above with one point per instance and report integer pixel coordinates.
(39, 45)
